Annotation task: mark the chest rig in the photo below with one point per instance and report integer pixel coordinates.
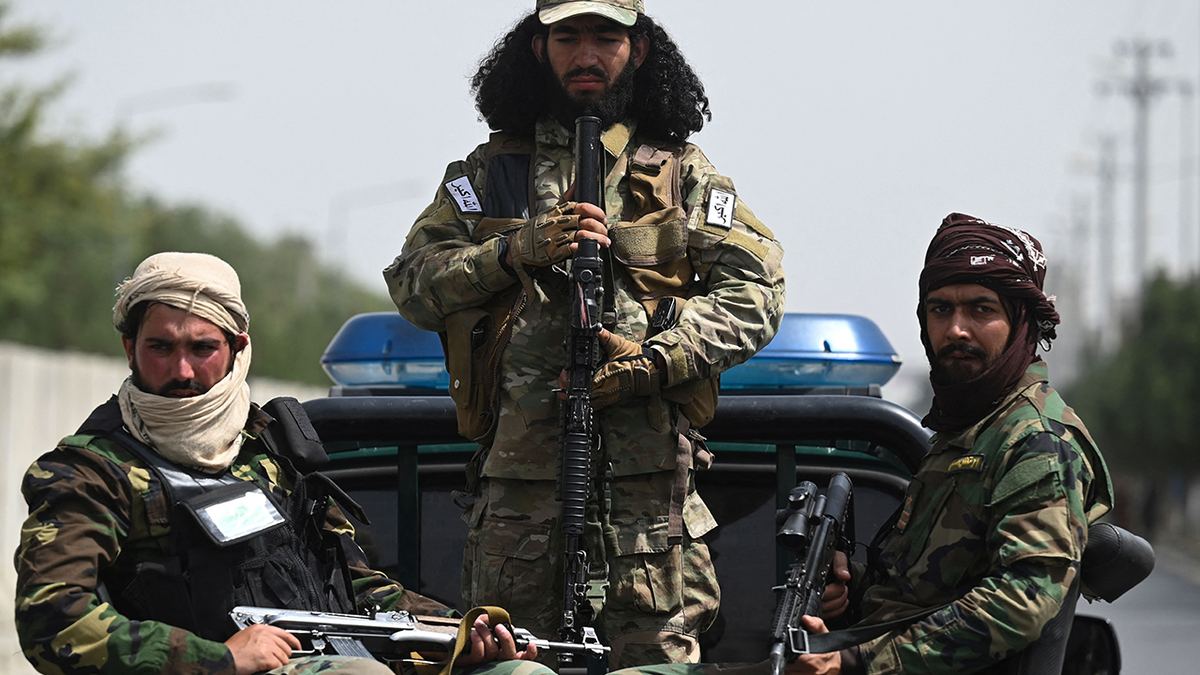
(649, 251)
(232, 541)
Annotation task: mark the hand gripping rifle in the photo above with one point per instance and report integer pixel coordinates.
(386, 636)
(815, 525)
(575, 436)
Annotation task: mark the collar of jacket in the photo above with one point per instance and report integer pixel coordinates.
(615, 139)
(1035, 375)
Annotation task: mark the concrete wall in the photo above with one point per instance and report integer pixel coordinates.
(45, 395)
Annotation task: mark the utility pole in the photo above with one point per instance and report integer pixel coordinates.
(1142, 88)
(1080, 235)
(1185, 178)
(1105, 221)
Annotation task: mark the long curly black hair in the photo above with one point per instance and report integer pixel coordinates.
(512, 91)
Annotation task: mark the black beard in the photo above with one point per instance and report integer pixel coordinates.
(943, 376)
(174, 385)
(611, 107)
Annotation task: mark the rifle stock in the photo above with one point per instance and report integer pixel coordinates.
(815, 527)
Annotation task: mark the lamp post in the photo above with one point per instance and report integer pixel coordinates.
(174, 97)
(343, 203)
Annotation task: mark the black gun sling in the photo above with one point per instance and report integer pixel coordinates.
(835, 641)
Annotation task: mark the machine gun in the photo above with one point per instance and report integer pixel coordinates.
(575, 436)
(814, 526)
(386, 636)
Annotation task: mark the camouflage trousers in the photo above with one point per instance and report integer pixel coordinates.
(660, 595)
(762, 668)
(332, 665)
(349, 665)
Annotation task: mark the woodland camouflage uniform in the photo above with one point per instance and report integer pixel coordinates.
(994, 522)
(94, 504)
(993, 526)
(662, 591)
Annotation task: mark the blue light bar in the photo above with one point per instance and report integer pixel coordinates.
(382, 349)
(818, 350)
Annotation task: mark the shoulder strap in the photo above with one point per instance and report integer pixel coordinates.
(179, 483)
(506, 183)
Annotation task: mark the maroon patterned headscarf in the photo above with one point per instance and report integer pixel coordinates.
(967, 250)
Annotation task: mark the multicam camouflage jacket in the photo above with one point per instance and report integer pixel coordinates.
(734, 290)
(994, 523)
(94, 504)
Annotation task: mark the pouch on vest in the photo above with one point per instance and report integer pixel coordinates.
(293, 435)
(697, 399)
(653, 250)
(217, 558)
(234, 513)
(475, 338)
(473, 343)
(295, 565)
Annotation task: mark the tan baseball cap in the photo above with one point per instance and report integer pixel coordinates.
(624, 12)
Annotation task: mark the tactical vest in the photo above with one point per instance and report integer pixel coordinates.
(231, 542)
(650, 243)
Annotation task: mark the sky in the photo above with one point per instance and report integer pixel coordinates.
(851, 129)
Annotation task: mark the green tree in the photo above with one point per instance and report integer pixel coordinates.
(71, 229)
(1141, 402)
(296, 304)
(59, 205)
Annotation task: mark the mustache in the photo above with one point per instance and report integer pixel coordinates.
(590, 70)
(970, 350)
(180, 385)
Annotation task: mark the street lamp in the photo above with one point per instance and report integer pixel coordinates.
(343, 203)
(175, 97)
(151, 101)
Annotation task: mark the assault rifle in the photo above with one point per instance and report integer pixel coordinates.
(386, 636)
(814, 526)
(575, 431)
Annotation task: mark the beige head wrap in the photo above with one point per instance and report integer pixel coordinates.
(202, 431)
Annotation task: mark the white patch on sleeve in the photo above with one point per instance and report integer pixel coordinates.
(720, 208)
(462, 192)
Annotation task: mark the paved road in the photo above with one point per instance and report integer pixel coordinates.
(1158, 622)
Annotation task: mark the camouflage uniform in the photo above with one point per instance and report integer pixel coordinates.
(661, 594)
(994, 522)
(94, 504)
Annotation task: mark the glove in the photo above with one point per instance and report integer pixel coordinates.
(630, 371)
(545, 240)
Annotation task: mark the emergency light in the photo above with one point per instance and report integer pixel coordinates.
(384, 351)
(818, 350)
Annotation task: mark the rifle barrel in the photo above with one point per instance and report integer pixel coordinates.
(587, 160)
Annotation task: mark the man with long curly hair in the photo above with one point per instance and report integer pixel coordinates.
(693, 285)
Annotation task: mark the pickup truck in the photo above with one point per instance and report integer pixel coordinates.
(806, 406)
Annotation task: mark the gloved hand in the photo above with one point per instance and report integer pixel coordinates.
(545, 240)
(629, 371)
